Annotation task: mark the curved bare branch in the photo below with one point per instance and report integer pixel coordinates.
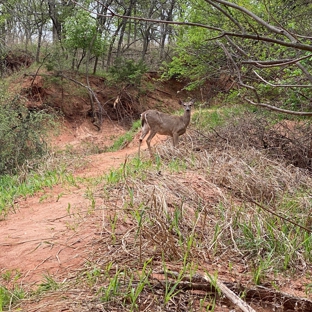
(291, 44)
(280, 110)
(281, 85)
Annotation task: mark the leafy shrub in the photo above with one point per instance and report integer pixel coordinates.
(57, 60)
(22, 135)
(127, 71)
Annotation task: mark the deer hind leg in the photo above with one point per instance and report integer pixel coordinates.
(145, 130)
(148, 141)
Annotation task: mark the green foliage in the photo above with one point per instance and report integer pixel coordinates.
(4, 297)
(135, 290)
(206, 119)
(93, 275)
(56, 60)
(82, 38)
(127, 71)
(48, 284)
(22, 135)
(9, 297)
(177, 165)
(195, 60)
(195, 57)
(81, 33)
(113, 288)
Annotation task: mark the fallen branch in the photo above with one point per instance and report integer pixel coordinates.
(97, 121)
(232, 296)
(202, 282)
(278, 300)
(259, 295)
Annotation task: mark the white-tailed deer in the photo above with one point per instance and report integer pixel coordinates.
(154, 122)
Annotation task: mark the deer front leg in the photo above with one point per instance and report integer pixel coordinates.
(139, 152)
(145, 130)
(175, 139)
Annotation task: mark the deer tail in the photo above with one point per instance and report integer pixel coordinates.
(143, 120)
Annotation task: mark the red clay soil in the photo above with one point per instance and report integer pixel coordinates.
(48, 232)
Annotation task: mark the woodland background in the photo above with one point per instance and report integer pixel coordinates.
(262, 47)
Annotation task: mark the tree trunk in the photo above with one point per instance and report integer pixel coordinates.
(57, 26)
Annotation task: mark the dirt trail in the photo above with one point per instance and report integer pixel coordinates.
(49, 232)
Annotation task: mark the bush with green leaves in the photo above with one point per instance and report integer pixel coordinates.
(22, 135)
(83, 36)
(127, 71)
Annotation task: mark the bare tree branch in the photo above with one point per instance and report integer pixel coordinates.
(280, 110)
(238, 72)
(281, 85)
(279, 31)
(275, 63)
(239, 26)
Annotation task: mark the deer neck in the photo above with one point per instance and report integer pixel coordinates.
(186, 117)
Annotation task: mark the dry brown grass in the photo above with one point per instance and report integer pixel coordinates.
(288, 141)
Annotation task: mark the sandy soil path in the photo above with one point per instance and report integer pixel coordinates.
(49, 233)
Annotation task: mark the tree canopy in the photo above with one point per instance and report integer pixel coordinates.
(263, 47)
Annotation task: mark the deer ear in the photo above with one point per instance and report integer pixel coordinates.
(180, 102)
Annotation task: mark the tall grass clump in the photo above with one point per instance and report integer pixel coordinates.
(209, 118)
(159, 207)
(262, 164)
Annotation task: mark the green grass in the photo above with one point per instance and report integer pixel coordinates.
(125, 139)
(207, 118)
(10, 297)
(14, 292)
(48, 284)
(11, 188)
